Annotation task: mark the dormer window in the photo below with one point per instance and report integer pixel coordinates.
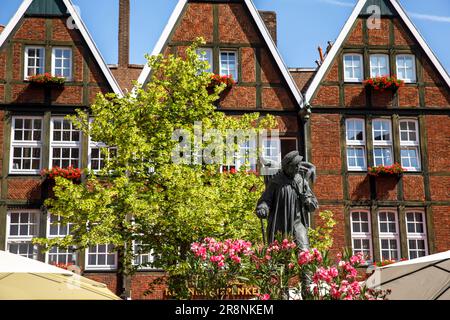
(229, 64)
(62, 63)
(34, 61)
(353, 68)
(206, 55)
(406, 68)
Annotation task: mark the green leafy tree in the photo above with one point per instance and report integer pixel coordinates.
(321, 237)
(141, 196)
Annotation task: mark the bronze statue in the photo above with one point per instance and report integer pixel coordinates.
(288, 200)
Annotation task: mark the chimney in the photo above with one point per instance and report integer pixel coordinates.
(270, 19)
(1, 28)
(124, 33)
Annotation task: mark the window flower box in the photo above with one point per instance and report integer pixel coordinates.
(69, 173)
(46, 79)
(384, 83)
(394, 170)
(217, 80)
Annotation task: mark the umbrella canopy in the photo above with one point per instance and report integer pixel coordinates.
(426, 278)
(26, 279)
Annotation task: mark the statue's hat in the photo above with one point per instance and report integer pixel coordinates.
(292, 157)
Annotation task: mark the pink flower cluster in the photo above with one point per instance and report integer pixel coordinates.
(219, 252)
(346, 291)
(326, 275)
(309, 256)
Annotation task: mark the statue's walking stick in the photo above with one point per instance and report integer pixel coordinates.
(263, 231)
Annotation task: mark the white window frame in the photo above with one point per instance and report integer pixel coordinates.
(26, 76)
(50, 236)
(362, 235)
(383, 144)
(356, 144)
(150, 255)
(353, 67)
(64, 144)
(379, 67)
(389, 235)
(398, 67)
(25, 144)
(410, 144)
(18, 239)
(101, 146)
(236, 61)
(100, 267)
(54, 58)
(209, 53)
(414, 235)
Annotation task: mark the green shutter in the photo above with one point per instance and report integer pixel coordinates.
(47, 7)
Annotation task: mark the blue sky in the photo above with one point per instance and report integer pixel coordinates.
(302, 25)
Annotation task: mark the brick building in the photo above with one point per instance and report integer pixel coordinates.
(350, 129)
(353, 128)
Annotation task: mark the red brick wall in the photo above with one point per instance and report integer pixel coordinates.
(325, 141)
(196, 22)
(24, 189)
(441, 221)
(438, 142)
(356, 35)
(413, 188)
(379, 36)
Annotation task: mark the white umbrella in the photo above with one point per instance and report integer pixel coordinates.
(26, 279)
(425, 278)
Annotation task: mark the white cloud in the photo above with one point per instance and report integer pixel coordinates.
(339, 3)
(429, 17)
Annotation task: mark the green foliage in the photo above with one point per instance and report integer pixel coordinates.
(322, 236)
(141, 195)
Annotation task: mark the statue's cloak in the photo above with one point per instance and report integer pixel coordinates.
(287, 215)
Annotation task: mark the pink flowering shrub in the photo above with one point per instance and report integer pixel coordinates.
(277, 270)
(215, 266)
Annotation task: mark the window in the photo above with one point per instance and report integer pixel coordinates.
(228, 64)
(389, 236)
(353, 68)
(99, 154)
(62, 63)
(101, 257)
(406, 68)
(34, 61)
(143, 256)
(382, 142)
(409, 145)
(361, 233)
(416, 234)
(22, 227)
(206, 55)
(26, 145)
(57, 229)
(65, 144)
(379, 65)
(244, 156)
(356, 145)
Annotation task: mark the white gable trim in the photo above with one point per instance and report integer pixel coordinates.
(163, 38)
(14, 21)
(343, 35)
(334, 50)
(84, 32)
(262, 28)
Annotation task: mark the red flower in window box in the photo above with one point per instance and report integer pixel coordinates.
(69, 173)
(394, 170)
(46, 79)
(217, 80)
(384, 83)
